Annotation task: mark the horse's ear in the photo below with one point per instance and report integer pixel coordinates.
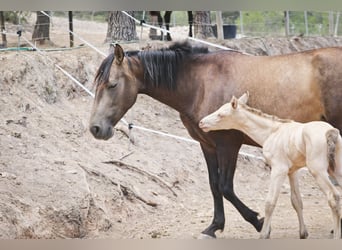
(119, 54)
(234, 102)
(244, 98)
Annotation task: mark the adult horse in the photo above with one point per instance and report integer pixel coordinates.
(302, 86)
(167, 18)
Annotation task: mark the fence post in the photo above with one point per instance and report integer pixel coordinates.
(306, 23)
(337, 21)
(241, 23)
(287, 23)
(219, 24)
(71, 28)
(331, 23)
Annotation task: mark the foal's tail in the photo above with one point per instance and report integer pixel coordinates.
(332, 136)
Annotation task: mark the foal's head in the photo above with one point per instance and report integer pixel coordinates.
(223, 118)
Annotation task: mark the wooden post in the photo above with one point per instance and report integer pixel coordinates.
(2, 29)
(71, 28)
(337, 21)
(287, 23)
(306, 23)
(219, 25)
(331, 23)
(241, 23)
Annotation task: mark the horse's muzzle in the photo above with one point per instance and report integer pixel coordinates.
(103, 133)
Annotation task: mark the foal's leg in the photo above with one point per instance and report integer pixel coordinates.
(322, 178)
(278, 176)
(297, 203)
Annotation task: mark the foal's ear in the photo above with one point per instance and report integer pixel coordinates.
(234, 102)
(244, 98)
(119, 54)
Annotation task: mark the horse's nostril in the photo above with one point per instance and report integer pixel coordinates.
(95, 129)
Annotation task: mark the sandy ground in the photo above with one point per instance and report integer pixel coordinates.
(57, 181)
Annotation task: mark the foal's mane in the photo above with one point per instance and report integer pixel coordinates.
(262, 114)
(160, 66)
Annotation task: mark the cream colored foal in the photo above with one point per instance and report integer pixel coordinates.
(287, 146)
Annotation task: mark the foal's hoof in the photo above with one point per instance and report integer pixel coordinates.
(205, 237)
(332, 231)
(304, 236)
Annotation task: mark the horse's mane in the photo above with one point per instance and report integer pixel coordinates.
(262, 114)
(102, 74)
(160, 65)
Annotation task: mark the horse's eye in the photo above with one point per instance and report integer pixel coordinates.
(112, 86)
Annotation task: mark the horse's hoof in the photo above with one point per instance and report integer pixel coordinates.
(261, 223)
(205, 237)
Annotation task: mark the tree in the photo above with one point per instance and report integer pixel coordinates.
(202, 24)
(41, 31)
(121, 27)
(2, 29)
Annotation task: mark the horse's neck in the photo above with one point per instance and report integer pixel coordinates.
(175, 99)
(257, 126)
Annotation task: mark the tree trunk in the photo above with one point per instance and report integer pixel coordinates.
(202, 25)
(41, 31)
(2, 29)
(121, 27)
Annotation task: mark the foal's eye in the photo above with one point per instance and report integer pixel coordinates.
(112, 86)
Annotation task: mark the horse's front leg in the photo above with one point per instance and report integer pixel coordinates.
(167, 19)
(278, 176)
(227, 151)
(219, 220)
(190, 21)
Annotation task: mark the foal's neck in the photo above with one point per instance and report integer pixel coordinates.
(257, 125)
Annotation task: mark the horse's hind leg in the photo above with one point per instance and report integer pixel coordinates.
(227, 157)
(297, 203)
(160, 23)
(333, 197)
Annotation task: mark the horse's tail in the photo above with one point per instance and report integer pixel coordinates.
(332, 136)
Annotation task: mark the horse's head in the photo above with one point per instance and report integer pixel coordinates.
(224, 117)
(116, 92)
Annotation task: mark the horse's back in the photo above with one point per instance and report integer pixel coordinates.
(302, 86)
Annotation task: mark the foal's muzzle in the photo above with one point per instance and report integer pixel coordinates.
(203, 126)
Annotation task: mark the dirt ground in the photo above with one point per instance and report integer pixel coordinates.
(57, 181)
